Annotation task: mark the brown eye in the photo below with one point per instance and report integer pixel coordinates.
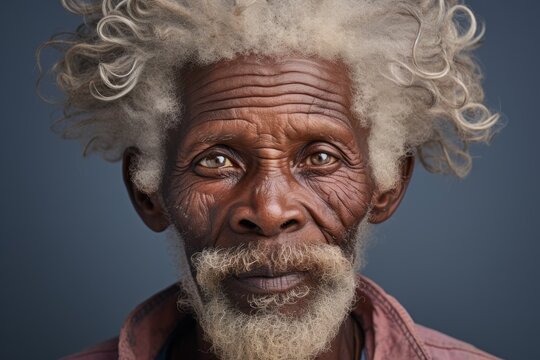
(215, 162)
(320, 159)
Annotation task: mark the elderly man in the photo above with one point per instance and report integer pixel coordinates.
(267, 136)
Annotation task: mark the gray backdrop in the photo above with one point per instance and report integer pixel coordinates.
(460, 255)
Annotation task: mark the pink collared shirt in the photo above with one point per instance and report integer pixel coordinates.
(389, 332)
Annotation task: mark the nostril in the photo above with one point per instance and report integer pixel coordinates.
(289, 223)
(248, 224)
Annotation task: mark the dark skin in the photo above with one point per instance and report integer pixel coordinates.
(267, 151)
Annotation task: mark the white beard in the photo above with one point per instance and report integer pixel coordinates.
(266, 333)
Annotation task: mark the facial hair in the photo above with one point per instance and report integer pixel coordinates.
(266, 333)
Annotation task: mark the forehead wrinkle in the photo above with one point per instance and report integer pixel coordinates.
(219, 102)
(215, 73)
(289, 105)
(272, 92)
(267, 91)
(281, 109)
(231, 82)
(337, 131)
(326, 128)
(205, 139)
(316, 99)
(287, 86)
(243, 88)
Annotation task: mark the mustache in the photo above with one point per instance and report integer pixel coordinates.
(212, 265)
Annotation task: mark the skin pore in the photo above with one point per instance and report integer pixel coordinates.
(267, 152)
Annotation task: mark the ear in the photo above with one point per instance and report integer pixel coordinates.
(148, 206)
(385, 203)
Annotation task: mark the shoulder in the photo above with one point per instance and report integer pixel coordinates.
(107, 350)
(442, 346)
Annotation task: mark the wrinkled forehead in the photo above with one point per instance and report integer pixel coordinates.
(290, 84)
(316, 71)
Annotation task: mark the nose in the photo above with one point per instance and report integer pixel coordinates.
(268, 210)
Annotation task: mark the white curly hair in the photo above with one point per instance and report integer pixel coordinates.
(415, 81)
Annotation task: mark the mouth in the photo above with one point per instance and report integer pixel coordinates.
(262, 281)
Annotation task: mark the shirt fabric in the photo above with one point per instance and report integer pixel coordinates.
(389, 332)
(164, 353)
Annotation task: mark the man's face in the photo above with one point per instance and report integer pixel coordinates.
(267, 152)
(267, 181)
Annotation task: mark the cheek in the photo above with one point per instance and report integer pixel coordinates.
(192, 209)
(346, 192)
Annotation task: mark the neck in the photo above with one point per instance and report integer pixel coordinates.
(347, 344)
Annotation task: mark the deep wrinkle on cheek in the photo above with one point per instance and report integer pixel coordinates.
(345, 192)
(198, 199)
(192, 211)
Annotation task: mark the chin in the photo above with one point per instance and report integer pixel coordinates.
(288, 305)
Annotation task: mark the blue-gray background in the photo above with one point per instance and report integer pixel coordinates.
(462, 256)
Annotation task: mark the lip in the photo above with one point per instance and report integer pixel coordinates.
(264, 282)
